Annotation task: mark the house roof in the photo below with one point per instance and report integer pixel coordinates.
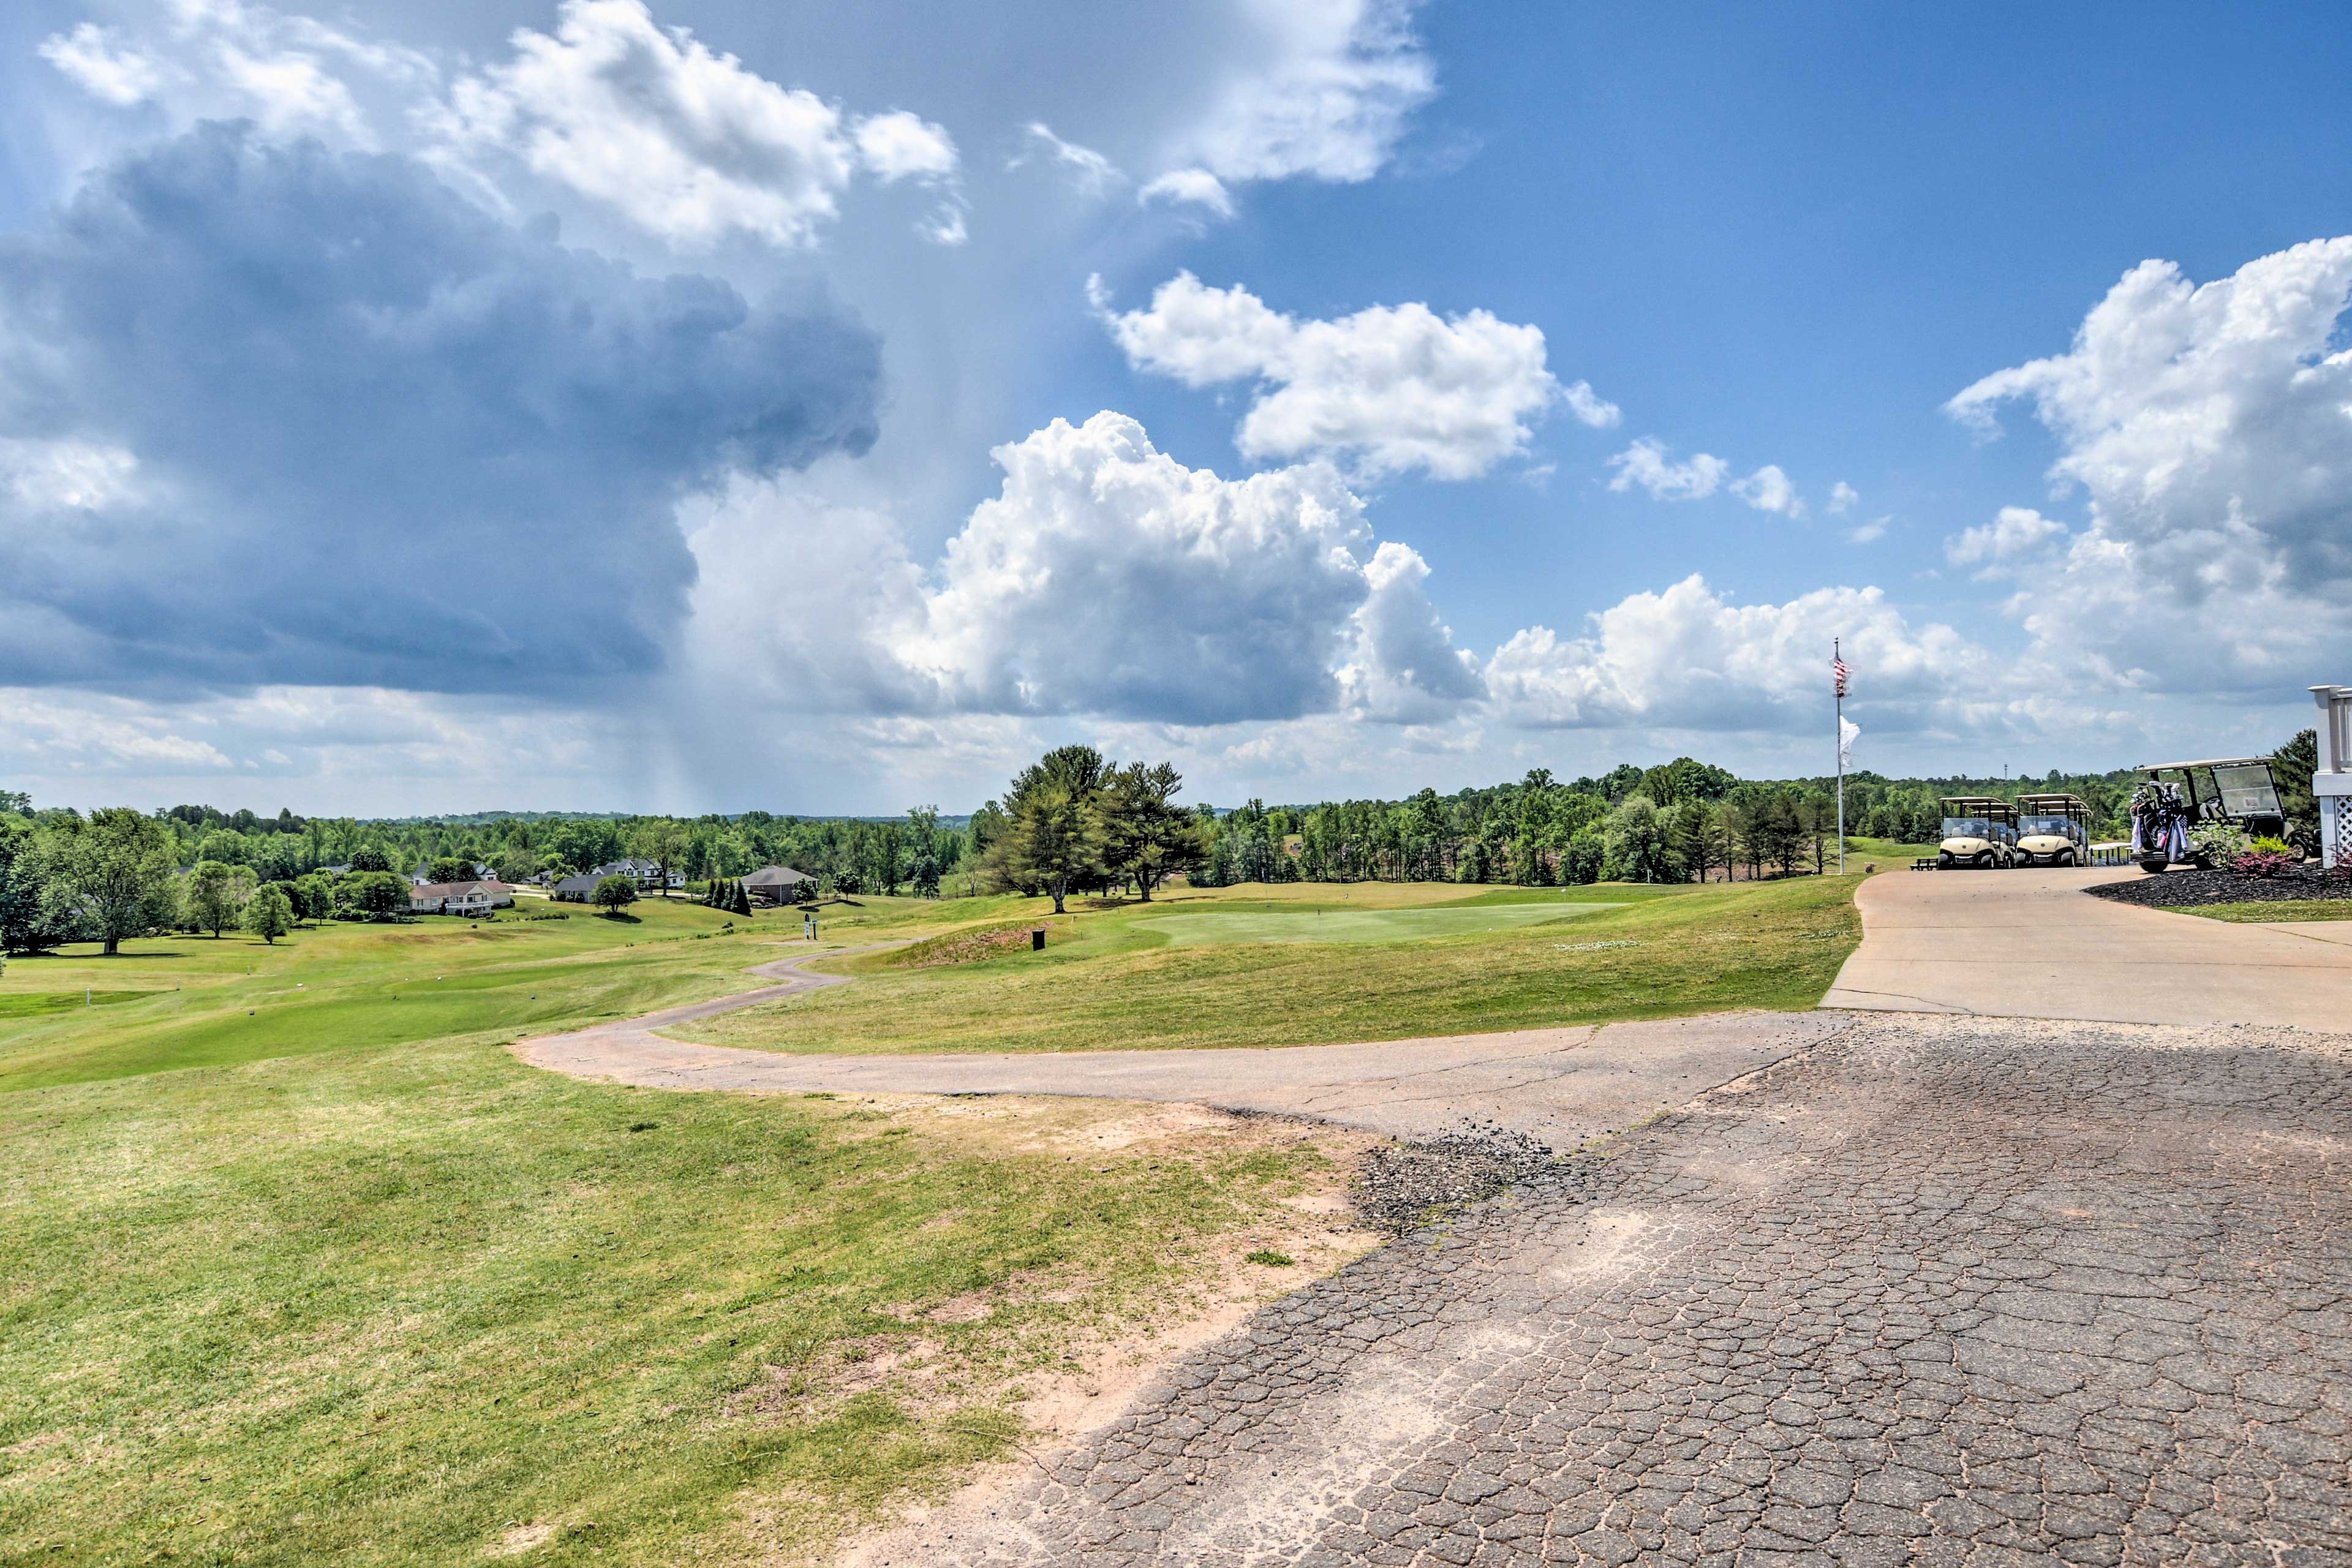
(774, 877)
(454, 889)
(578, 884)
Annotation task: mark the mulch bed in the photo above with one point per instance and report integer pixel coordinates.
(2179, 890)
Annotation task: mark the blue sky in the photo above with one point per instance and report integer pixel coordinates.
(441, 407)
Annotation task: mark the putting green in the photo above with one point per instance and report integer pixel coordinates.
(1345, 924)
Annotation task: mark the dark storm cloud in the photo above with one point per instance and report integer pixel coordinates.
(381, 436)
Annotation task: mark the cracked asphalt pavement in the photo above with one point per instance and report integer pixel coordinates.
(1932, 1289)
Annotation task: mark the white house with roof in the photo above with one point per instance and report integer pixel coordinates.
(475, 899)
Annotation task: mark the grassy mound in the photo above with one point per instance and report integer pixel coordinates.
(975, 944)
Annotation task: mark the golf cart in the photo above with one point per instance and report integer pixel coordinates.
(2174, 797)
(1979, 830)
(2052, 830)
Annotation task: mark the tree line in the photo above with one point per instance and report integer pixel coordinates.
(916, 851)
(1685, 820)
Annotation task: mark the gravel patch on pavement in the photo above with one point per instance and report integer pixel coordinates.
(2188, 888)
(1404, 1187)
(1938, 1290)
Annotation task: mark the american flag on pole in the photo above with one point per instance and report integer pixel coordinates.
(1838, 673)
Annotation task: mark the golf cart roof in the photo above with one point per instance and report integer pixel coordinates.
(2055, 805)
(1978, 805)
(2201, 762)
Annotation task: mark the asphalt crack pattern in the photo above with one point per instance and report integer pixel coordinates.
(1938, 1290)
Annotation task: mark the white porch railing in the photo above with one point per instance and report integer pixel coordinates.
(2333, 783)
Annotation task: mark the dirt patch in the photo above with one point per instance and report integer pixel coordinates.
(518, 1539)
(1111, 1355)
(2183, 890)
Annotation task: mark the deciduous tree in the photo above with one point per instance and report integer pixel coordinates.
(115, 867)
(269, 913)
(614, 894)
(663, 842)
(217, 895)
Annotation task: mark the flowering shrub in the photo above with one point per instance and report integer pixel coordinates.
(2262, 862)
(2221, 842)
(2342, 869)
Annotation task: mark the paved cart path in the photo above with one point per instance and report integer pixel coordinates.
(1938, 1290)
(2031, 944)
(1562, 1086)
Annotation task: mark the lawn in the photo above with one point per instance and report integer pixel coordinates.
(194, 1001)
(2274, 910)
(1252, 973)
(1349, 925)
(1888, 853)
(420, 1304)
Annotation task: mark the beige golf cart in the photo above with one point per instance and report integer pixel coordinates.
(1979, 831)
(2054, 830)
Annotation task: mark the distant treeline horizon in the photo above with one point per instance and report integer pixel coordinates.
(1538, 828)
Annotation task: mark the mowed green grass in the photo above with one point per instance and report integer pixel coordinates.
(196, 1001)
(1888, 853)
(1122, 978)
(411, 1305)
(2272, 912)
(1346, 925)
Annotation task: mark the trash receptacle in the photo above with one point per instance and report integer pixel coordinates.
(1038, 940)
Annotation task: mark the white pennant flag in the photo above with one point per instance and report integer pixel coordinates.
(1847, 730)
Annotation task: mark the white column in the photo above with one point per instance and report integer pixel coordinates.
(2333, 783)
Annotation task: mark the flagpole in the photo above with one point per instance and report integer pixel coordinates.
(1837, 659)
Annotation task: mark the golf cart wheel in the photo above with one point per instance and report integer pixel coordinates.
(2064, 857)
(1983, 862)
(1944, 862)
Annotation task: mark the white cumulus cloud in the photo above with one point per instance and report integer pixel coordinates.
(1769, 489)
(1646, 466)
(1589, 407)
(1196, 186)
(686, 142)
(1390, 388)
(2014, 531)
(1406, 669)
(224, 59)
(1106, 577)
(682, 140)
(1843, 497)
(1688, 658)
(2210, 427)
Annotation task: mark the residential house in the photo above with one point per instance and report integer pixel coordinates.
(576, 889)
(649, 874)
(773, 885)
(459, 898)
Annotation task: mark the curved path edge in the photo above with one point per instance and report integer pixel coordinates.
(1562, 1086)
